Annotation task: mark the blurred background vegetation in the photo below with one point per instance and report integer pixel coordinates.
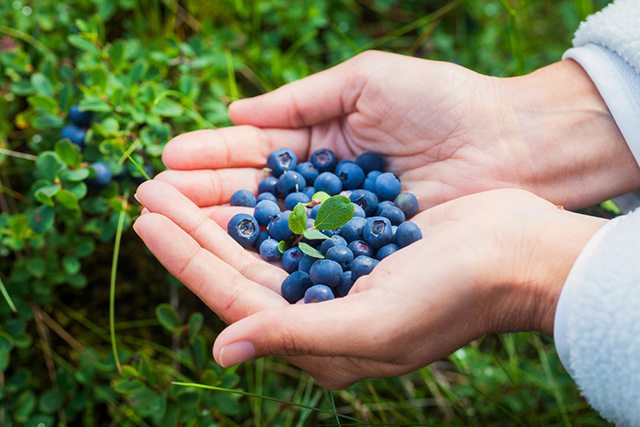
(150, 69)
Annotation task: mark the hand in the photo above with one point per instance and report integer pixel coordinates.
(446, 130)
(488, 263)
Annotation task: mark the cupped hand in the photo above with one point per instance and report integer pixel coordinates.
(489, 262)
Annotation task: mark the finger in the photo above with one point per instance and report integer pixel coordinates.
(228, 293)
(231, 147)
(212, 187)
(341, 327)
(222, 214)
(315, 99)
(162, 198)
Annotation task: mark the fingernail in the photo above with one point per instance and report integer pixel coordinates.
(135, 196)
(237, 352)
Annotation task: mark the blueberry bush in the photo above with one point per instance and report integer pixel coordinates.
(92, 330)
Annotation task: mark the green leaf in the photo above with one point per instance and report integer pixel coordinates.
(94, 103)
(194, 325)
(41, 219)
(321, 196)
(82, 43)
(168, 318)
(46, 120)
(48, 165)
(69, 153)
(43, 101)
(147, 402)
(335, 212)
(67, 199)
(168, 108)
(313, 234)
(51, 401)
(71, 265)
(310, 250)
(42, 85)
(298, 219)
(282, 246)
(74, 175)
(44, 195)
(6, 344)
(37, 267)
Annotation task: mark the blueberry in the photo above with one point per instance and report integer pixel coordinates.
(74, 134)
(266, 196)
(279, 227)
(362, 266)
(346, 283)
(344, 162)
(377, 231)
(408, 203)
(383, 205)
(308, 171)
(367, 200)
(351, 175)
(342, 255)
(266, 211)
(352, 230)
(243, 198)
(262, 236)
(324, 160)
(290, 182)
(80, 118)
(102, 175)
(314, 211)
(293, 199)
(388, 186)
(268, 185)
(393, 213)
(386, 250)
(370, 181)
(269, 250)
(281, 160)
(244, 229)
(407, 233)
(358, 211)
(329, 183)
(291, 260)
(309, 191)
(326, 271)
(370, 161)
(318, 293)
(330, 243)
(360, 247)
(306, 262)
(294, 286)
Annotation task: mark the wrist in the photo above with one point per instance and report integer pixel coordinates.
(576, 155)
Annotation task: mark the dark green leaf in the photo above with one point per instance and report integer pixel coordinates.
(51, 401)
(310, 250)
(41, 219)
(67, 199)
(282, 246)
(298, 219)
(69, 153)
(168, 318)
(44, 195)
(313, 234)
(194, 325)
(49, 165)
(6, 344)
(335, 212)
(74, 175)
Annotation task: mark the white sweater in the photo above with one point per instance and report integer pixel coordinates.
(597, 323)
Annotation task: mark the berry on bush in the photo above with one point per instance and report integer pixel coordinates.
(102, 176)
(80, 118)
(74, 134)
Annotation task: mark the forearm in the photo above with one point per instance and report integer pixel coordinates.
(576, 152)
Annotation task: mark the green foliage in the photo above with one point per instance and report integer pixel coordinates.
(151, 70)
(334, 212)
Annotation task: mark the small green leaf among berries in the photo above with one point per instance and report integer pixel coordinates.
(282, 246)
(335, 212)
(310, 250)
(313, 234)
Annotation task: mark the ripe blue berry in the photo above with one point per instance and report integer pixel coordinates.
(346, 283)
(244, 229)
(362, 266)
(318, 293)
(281, 160)
(324, 160)
(388, 186)
(309, 191)
(293, 199)
(370, 181)
(407, 233)
(329, 243)
(366, 200)
(342, 255)
(314, 211)
(269, 250)
(360, 247)
(369, 161)
(386, 250)
(74, 134)
(80, 118)
(351, 175)
(393, 213)
(358, 211)
(329, 183)
(291, 260)
(266, 196)
(268, 185)
(308, 171)
(326, 271)
(408, 203)
(306, 262)
(243, 198)
(102, 175)
(279, 227)
(294, 286)
(352, 230)
(290, 182)
(266, 211)
(377, 231)
(262, 236)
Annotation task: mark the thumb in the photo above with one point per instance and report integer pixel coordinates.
(341, 327)
(315, 99)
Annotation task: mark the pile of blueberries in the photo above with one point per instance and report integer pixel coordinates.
(377, 228)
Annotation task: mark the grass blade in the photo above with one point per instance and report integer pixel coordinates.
(7, 297)
(112, 285)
